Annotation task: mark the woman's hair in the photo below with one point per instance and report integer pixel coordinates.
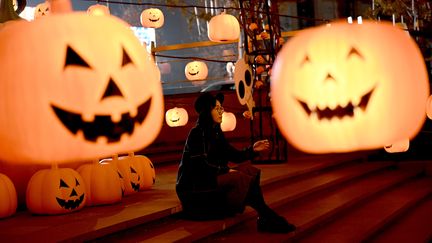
(204, 105)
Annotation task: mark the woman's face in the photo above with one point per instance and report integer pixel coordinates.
(216, 112)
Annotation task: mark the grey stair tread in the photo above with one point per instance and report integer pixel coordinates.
(416, 226)
(320, 207)
(140, 208)
(192, 230)
(366, 220)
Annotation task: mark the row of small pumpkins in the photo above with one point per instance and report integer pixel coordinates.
(64, 190)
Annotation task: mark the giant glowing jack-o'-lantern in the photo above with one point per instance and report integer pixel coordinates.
(229, 122)
(398, 147)
(92, 91)
(102, 182)
(196, 70)
(8, 197)
(56, 191)
(223, 27)
(42, 9)
(243, 79)
(152, 18)
(176, 117)
(98, 10)
(349, 87)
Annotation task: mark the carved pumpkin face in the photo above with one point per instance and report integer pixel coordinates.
(196, 70)
(348, 87)
(42, 9)
(8, 197)
(55, 191)
(92, 91)
(152, 18)
(176, 117)
(98, 10)
(243, 79)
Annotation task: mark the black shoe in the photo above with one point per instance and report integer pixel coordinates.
(274, 224)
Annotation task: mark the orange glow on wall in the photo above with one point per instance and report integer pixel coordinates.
(349, 87)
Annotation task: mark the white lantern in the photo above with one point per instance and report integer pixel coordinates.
(229, 122)
(223, 27)
(98, 10)
(176, 117)
(398, 147)
(196, 70)
(152, 18)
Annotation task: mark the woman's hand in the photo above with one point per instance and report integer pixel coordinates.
(261, 145)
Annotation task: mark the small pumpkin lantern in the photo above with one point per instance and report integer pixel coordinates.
(229, 122)
(8, 197)
(102, 182)
(243, 80)
(94, 90)
(129, 171)
(223, 27)
(152, 18)
(196, 70)
(42, 9)
(98, 10)
(113, 162)
(176, 117)
(56, 191)
(349, 87)
(144, 167)
(398, 147)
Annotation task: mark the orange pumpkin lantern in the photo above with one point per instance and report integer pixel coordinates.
(94, 90)
(8, 197)
(144, 167)
(102, 182)
(129, 171)
(98, 10)
(398, 147)
(196, 70)
(223, 27)
(152, 18)
(176, 117)
(56, 191)
(229, 122)
(113, 162)
(42, 9)
(349, 87)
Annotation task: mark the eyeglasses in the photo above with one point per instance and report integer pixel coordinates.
(219, 109)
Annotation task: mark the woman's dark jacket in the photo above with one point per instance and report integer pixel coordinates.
(205, 156)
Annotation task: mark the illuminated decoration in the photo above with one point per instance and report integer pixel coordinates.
(94, 90)
(223, 27)
(144, 167)
(429, 107)
(176, 117)
(8, 197)
(349, 87)
(55, 191)
(113, 161)
(98, 10)
(42, 9)
(102, 182)
(229, 122)
(398, 147)
(152, 18)
(243, 80)
(196, 70)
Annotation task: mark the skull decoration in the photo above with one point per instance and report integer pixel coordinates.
(196, 70)
(176, 117)
(152, 18)
(92, 91)
(243, 79)
(42, 9)
(349, 87)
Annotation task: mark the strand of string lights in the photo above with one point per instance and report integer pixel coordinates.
(202, 7)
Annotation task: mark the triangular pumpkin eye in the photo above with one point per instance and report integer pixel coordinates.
(133, 170)
(126, 59)
(63, 184)
(305, 60)
(76, 182)
(354, 52)
(72, 58)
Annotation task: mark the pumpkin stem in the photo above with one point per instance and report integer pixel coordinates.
(7, 11)
(60, 6)
(131, 154)
(115, 157)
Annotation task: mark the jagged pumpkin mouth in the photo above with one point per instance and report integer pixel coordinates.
(339, 111)
(102, 125)
(70, 204)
